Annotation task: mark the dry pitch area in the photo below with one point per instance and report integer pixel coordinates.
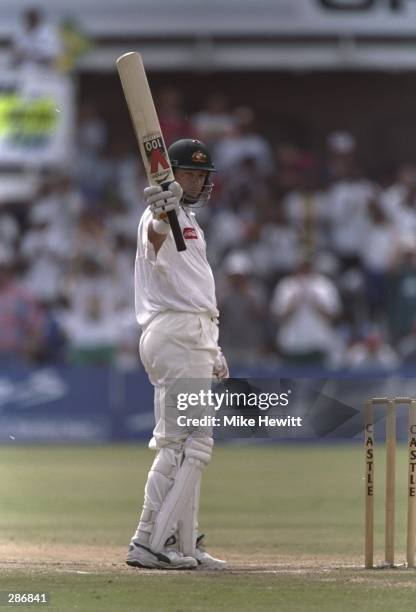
(287, 518)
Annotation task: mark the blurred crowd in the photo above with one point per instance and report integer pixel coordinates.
(315, 263)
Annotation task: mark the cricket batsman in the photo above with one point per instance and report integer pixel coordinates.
(177, 311)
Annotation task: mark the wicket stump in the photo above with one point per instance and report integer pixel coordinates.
(391, 405)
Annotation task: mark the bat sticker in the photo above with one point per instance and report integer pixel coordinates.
(156, 158)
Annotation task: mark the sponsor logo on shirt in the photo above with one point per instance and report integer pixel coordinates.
(190, 233)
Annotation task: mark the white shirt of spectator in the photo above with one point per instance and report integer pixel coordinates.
(232, 150)
(82, 289)
(295, 205)
(391, 200)
(306, 329)
(379, 247)
(276, 251)
(40, 44)
(86, 333)
(347, 209)
(45, 254)
(212, 125)
(181, 282)
(359, 356)
(404, 219)
(226, 231)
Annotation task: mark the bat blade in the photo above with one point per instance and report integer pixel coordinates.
(147, 129)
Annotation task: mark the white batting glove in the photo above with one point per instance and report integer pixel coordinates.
(161, 202)
(221, 371)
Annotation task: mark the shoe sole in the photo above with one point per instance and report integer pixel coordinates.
(213, 567)
(160, 565)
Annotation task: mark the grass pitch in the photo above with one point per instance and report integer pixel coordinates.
(288, 518)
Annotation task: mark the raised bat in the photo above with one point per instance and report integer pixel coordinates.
(147, 129)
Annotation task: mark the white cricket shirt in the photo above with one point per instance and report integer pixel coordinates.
(181, 282)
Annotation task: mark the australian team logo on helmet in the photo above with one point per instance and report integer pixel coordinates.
(191, 154)
(199, 157)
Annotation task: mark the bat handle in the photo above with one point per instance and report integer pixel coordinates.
(176, 231)
(176, 228)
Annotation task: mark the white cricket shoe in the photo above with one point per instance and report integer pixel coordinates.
(141, 556)
(205, 560)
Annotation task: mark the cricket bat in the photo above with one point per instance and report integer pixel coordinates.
(147, 129)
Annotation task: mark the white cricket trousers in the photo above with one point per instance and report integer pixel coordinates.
(178, 351)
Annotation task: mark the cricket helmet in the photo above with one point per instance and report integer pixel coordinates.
(190, 154)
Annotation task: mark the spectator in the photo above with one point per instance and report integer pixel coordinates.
(21, 319)
(306, 305)
(306, 206)
(404, 213)
(36, 42)
(246, 189)
(287, 163)
(243, 307)
(68, 203)
(407, 346)
(242, 143)
(403, 289)
(128, 336)
(352, 288)
(123, 261)
(214, 122)
(92, 281)
(9, 230)
(93, 240)
(52, 347)
(276, 249)
(341, 150)
(59, 195)
(129, 182)
(225, 232)
(348, 198)
(92, 132)
(91, 333)
(172, 118)
(394, 195)
(45, 253)
(377, 254)
(372, 352)
(93, 169)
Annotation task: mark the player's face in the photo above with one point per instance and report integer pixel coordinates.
(191, 181)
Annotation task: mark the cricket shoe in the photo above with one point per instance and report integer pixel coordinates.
(205, 560)
(142, 556)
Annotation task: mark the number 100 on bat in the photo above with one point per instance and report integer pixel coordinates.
(156, 155)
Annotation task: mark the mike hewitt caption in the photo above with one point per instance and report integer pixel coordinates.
(257, 402)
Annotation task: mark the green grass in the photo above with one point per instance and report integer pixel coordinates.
(179, 593)
(294, 512)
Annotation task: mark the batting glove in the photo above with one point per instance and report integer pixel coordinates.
(221, 371)
(161, 202)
